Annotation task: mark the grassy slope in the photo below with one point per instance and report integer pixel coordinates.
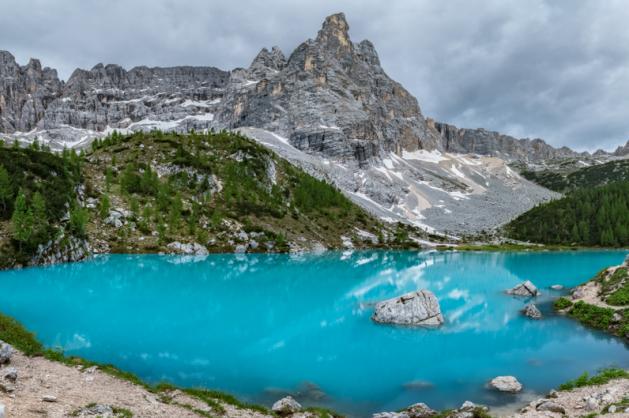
(211, 188)
(614, 291)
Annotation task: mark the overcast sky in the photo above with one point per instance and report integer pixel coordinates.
(555, 69)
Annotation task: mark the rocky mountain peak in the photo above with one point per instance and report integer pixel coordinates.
(334, 33)
(266, 61)
(621, 151)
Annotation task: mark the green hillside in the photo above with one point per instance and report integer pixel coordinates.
(591, 217)
(593, 176)
(141, 192)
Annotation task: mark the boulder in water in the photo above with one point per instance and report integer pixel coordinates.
(506, 384)
(286, 406)
(526, 288)
(531, 311)
(420, 308)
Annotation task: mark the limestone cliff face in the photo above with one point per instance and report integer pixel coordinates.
(331, 96)
(622, 150)
(25, 93)
(484, 142)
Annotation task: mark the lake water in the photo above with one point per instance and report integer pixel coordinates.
(261, 326)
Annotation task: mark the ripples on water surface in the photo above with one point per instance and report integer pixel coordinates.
(260, 326)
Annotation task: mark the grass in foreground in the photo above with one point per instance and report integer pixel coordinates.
(603, 377)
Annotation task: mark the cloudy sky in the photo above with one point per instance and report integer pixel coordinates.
(555, 69)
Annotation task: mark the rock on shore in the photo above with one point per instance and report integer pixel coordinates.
(419, 308)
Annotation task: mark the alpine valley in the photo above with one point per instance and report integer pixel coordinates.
(141, 174)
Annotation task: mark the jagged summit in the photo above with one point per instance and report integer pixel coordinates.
(621, 151)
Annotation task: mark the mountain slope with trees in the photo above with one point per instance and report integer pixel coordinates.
(589, 217)
(160, 192)
(572, 179)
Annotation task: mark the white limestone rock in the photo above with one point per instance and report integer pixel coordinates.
(506, 384)
(286, 406)
(6, 351)
(419, 308)
(532, 311)
(526, 289)
(187, 249)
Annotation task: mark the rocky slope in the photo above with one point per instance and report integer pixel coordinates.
(330, 99)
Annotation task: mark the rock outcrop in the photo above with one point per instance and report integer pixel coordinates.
(419, 308)
(6, 351)
(505, 384)
(526, 289)
(532, 311)
(286, 406)
(622, 151)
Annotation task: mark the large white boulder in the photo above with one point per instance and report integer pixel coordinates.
(187, 249)
(286, 406)
(419, 308)
(526, 288)
(506, 384)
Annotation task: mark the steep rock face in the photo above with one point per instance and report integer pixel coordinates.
(622, 150)
(331, 97)
(25, 93)
(483, 142)
(110, 96)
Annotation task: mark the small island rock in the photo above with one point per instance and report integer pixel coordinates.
(526, 288)
(506, 384)
(286, 406)
(532, 311)
(420, 308)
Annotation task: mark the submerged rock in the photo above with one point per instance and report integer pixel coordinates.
(286, 406)
(524, 289)
(420, 308)
(6, 351)
(531, 311)
(506, 384)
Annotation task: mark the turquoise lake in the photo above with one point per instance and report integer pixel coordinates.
(261, 326)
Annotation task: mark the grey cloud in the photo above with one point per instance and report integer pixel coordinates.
(558, 70)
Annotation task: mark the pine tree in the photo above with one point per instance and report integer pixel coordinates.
(21, 221)
(6, 192)
(40, 219)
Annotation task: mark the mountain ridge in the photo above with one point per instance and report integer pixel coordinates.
(375, 114)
